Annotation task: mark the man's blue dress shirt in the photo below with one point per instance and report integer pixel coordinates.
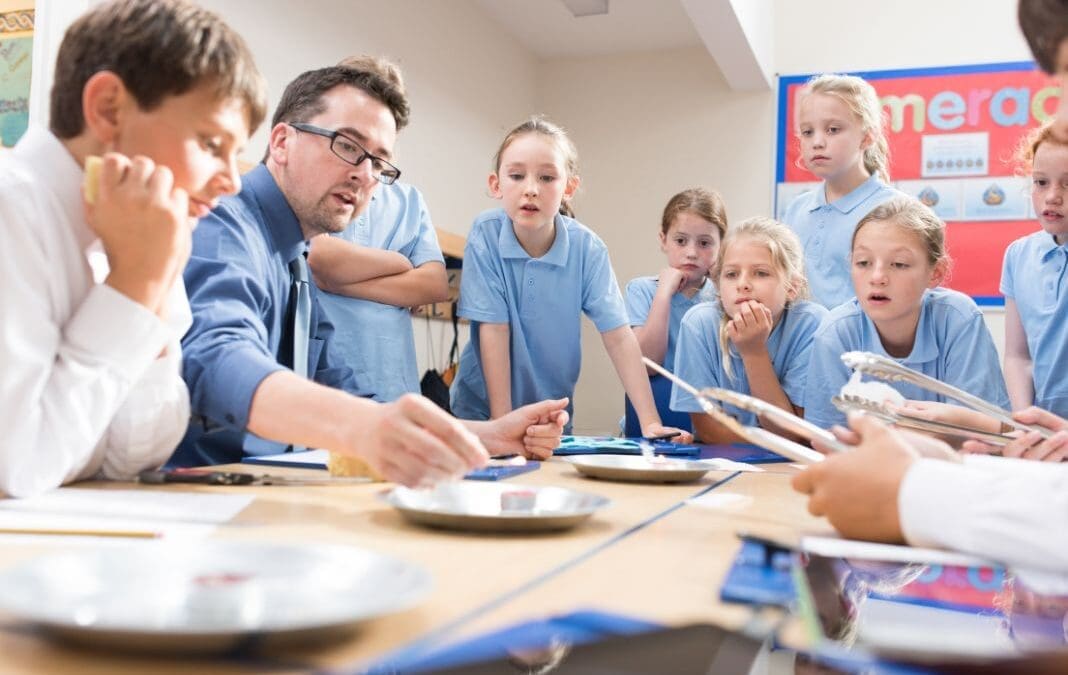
(238, 282)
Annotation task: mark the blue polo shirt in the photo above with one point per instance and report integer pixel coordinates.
(952, 345)
(238, 283)
(639, 298)
(374, 339)
(1034, 277)
(699, 357)
(542, 300)
(826, 232)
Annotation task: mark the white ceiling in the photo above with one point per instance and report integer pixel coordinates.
(548, 29)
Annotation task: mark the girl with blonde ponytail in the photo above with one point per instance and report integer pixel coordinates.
(756, 338)
(839, 126)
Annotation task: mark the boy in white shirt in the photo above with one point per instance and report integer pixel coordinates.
(92, 304)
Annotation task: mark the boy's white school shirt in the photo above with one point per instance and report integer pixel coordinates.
(1011, 510)
(84, 391)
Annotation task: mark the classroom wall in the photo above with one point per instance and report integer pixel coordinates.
(884, 35)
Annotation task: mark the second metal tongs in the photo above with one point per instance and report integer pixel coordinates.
(847, 403)
(884, 368)
(757, 435)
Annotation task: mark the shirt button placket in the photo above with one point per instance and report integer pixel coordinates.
(529, 301)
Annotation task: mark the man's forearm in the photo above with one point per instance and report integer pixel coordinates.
(290, 409)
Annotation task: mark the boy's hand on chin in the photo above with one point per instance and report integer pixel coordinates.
(143, 222)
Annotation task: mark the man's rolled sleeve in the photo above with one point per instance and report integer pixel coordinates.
(223, 380)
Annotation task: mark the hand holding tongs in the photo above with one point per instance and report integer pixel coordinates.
(849, 403)
(890, 370)
(756, 435)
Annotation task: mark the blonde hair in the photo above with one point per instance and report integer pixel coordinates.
(1025, 151)
(860, 97)
(912, 216)
(555, 133)
(705, 204)
(787, 255)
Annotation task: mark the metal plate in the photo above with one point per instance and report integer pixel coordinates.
(496, 507)
(641, 469)
(207, 596)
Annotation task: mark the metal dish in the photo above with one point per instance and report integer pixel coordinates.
(207, 597)
(641, 469)
(504, 507)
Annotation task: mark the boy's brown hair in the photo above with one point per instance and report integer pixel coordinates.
(158, 48)
(1045, 25)
(378, 78)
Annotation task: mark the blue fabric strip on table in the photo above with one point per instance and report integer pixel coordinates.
(608, 445)
(575, 628)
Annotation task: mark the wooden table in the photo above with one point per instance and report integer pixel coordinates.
(651, 554)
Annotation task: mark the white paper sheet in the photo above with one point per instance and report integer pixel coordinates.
(722, 464)
(167, 514)
(848, 548)
(166, 529)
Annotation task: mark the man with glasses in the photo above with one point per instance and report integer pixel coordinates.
(257, 360)
(384, 262)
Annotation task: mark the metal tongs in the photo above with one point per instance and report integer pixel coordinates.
(757, 435)
(848, 403)
(890, 370)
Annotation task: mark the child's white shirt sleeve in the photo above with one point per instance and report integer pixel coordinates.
(1010, 510)
(82, 387)
(151, 422)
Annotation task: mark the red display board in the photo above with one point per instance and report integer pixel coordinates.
(952, 133)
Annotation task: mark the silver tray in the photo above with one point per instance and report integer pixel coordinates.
(495, 507)
(208, 595)
(641, 470)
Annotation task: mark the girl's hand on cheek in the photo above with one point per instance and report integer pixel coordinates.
(750, 328)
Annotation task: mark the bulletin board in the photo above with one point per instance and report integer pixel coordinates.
(16, 56)
(952, 133)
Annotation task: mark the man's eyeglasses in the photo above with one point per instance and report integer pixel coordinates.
(352, 152)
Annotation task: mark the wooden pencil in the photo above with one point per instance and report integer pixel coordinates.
(54, 532)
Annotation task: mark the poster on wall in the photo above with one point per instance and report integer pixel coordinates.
(953, 133)
(16, 56)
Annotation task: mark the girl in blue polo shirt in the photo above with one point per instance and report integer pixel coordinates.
(757, 337)
(530, 271)
(691, 228)
(839, 125)
(898, 260)
(1033, 282)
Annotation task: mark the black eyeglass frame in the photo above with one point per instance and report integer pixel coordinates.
(387, 175)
